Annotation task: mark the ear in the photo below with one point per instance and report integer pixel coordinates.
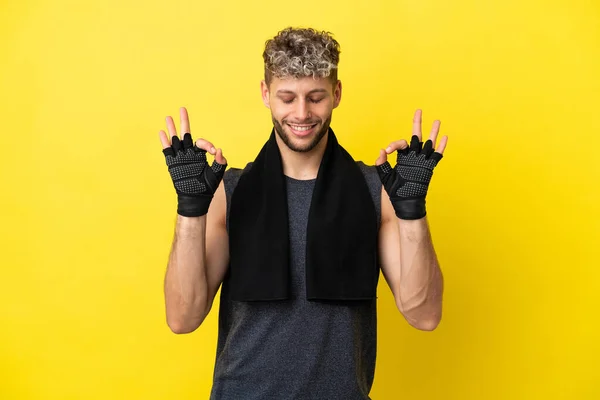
(337, 94)
(264, 89)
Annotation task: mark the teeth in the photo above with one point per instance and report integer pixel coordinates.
(301, 128)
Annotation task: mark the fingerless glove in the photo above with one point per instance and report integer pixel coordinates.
(195, 181)
(408, 181)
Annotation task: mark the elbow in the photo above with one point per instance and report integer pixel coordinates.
(423, 317)
(429, 324)
(181, 325)
(181, 328)
(182, 319)
(426, 323)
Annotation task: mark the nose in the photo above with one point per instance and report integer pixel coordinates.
(302, 111)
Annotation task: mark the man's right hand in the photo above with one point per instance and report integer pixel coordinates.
(195, 182)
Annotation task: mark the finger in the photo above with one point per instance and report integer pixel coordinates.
(385, 172)
(218, 170)
(417, 123)
(176, 143)
(219, 157)
(382, 158)
(434, 131)
(187, 141)
(184, 121)
(164, 140)
(427, 148)
(171, 126)
(415, 144)
(435, 156)
(206, 145)
(400, 144)
(442, 146)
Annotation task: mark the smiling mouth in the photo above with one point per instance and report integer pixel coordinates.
(301, 128)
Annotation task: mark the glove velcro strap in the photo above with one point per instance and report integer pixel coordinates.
(193, 206)
(409, 208)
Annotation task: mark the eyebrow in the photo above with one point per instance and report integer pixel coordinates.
(284, 91)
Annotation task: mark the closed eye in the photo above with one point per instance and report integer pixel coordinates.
(315, 101)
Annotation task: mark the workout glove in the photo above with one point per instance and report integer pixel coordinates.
(408, 181)
(194, 181)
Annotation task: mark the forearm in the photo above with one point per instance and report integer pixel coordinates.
(421, 281)
(185, 279)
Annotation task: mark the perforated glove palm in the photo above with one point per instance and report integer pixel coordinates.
(195, 181)
(407, 183)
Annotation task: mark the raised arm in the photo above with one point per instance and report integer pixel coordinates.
(410, 267)
(408, 259)
(200, 252)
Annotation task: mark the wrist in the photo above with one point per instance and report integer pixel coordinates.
(409, 209)
(193, 206)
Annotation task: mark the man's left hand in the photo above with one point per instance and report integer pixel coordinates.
(407, 183)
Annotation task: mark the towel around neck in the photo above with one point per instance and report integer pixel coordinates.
(341, 243)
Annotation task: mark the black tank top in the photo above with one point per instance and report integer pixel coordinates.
(296, 349)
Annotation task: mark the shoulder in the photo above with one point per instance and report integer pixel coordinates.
(230, 180)
(366, 168)
(371, 175)
(374, 184)
(234, 172)
(232, 176)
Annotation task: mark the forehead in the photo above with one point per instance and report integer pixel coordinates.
(300, 86)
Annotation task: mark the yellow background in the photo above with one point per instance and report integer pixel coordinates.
(88, 207)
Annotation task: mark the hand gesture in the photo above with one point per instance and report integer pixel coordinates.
(195, 182)
(407, 183)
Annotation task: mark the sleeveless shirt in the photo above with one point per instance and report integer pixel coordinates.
(296, 349)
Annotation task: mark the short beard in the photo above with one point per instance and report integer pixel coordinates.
(288, 142)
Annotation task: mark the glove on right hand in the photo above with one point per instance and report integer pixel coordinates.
(194, 181)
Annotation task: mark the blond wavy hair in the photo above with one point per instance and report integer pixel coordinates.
(301, 52)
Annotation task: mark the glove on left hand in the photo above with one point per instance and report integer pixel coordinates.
(408, 181)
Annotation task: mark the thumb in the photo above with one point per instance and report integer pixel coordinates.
(219, 157)
(382, 157)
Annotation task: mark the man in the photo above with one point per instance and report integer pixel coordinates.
(297, 239)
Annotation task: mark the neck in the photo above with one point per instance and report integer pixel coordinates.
(302, 166)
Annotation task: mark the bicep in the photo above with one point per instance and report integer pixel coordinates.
(389, 245)
(217, 244)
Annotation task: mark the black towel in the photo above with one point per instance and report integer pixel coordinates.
(341, 253)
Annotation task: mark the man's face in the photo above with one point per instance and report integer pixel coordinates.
(301, 109)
